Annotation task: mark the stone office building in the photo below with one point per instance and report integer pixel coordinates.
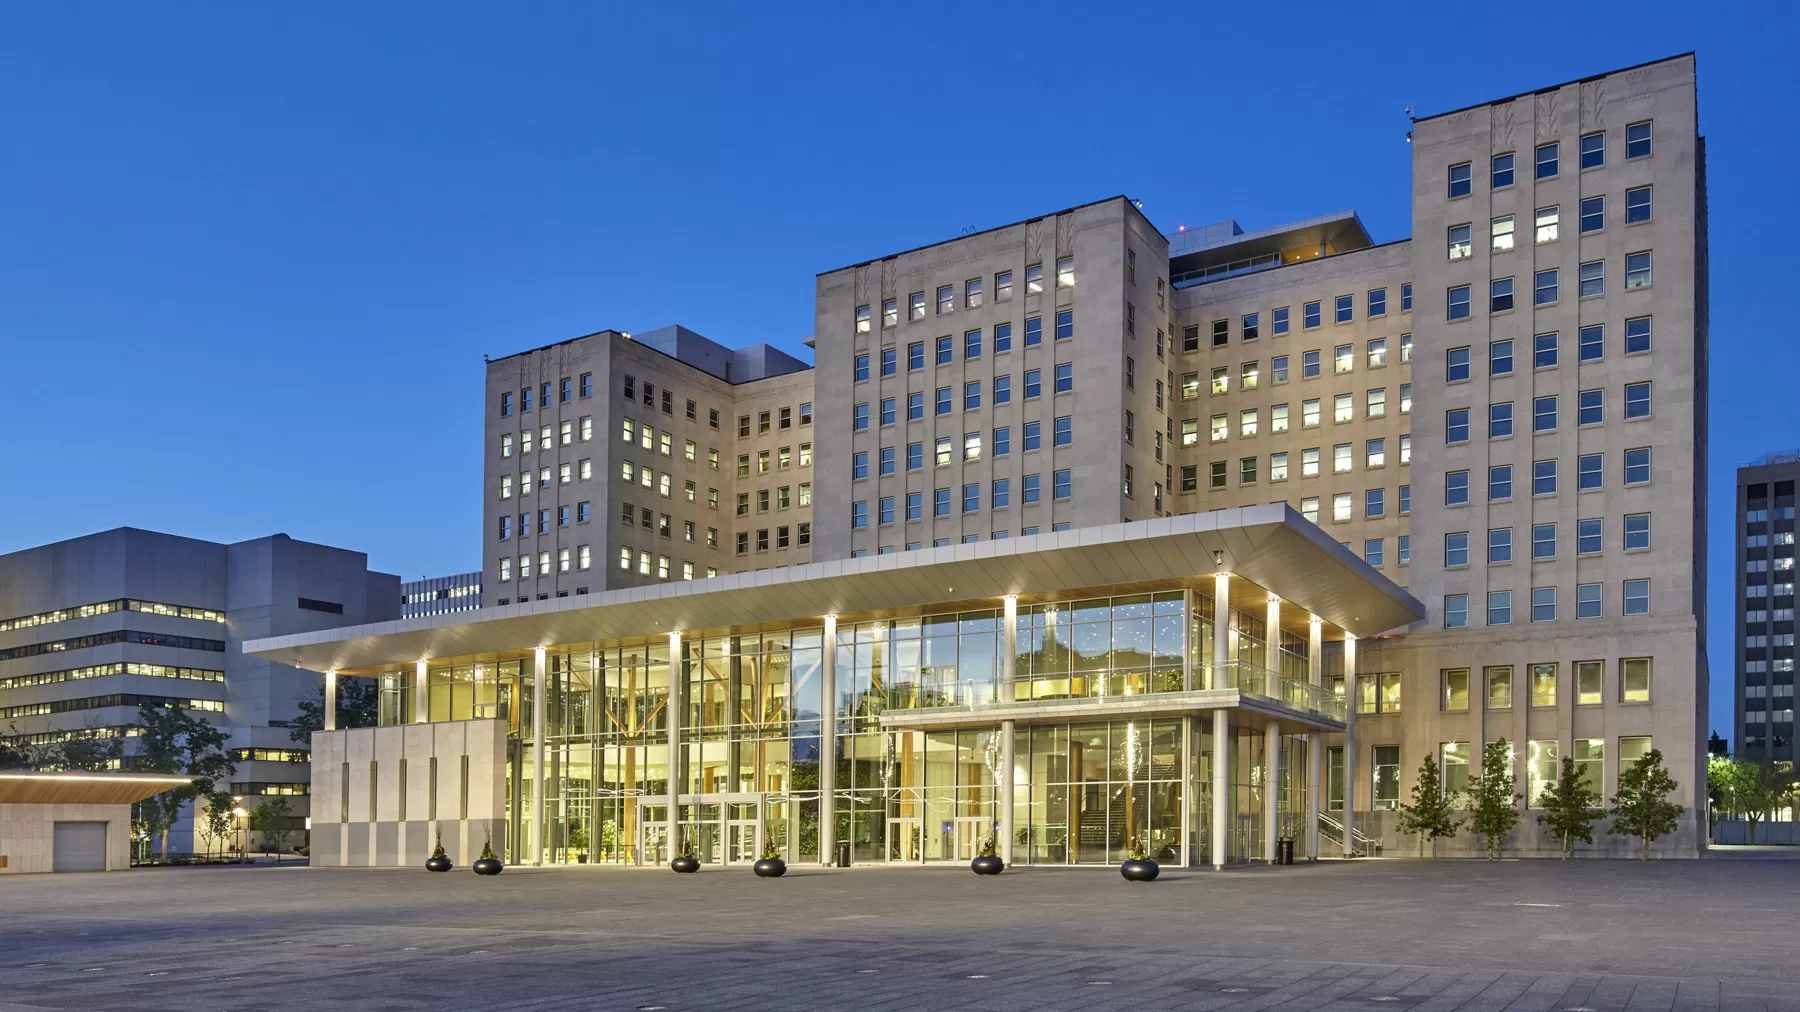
(1535, 397)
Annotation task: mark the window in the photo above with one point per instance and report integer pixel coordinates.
(1501, 171)
(1593, 214)
(1456, 611)
(1375, 503)
(915, 306)
(1591, 407)
(971, 395)
(945, 352)
(1341, 458)
(1460, 180)
(1309, 365)
(1637, 465)
(1404, 547)
(1457, 303)
(1637, 597)
(1543, 477)
(1456, 425)
(1310, 315)
(1499, 607)
(1341, 507)
(1593, 278)
(1543, 541)
(859, 466)
(1065, 272)
(1456, 488)
(1634, 680)
(1343, 309)
(1637, 139)
(1543, 351)
(1500, 481)
(1249, 329)
(1375, 403)
(1593, 150)
(1500, 420)
(1588, 472)
(1500, 295)
(1246, 470)
(1032, 435)
(1637, 270)
(1456, 549)
(1278, 320)
(1249, 373)
(1221, 379)
(862, 368)
(1546, 160)
(1637, 205)
(1065, 324)
(1060, 487)
(1216, 474)
(1592, 343)
(1377, 302)
(1221, 427)
(1588, 536)
(860, 416)
(1547, 221)
(1373, 552)
(1343, 408)
(1247, 422)
(1458, 241)
(1065, 378)
(971, 498)
(1221, 333)
(1637, 532)
(1064, 433)
(1278, 466)
(1499, 544)
(944, 400)
(1637, 400)
(1544, 286)
(1637, 335)
(1278, 369)
(1343, 358)
(1500, 233)
(1309, 462)
(1030, 489)
(1543, 683)
(1543, 414)
(1587, 600)
(1309, 508)
(940, 502)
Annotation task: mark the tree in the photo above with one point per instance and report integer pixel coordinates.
(1430, 815)
(271, 820)
(1642, 808)
(1494, 798)
(171, 740)
(358, 705)
(215, 824)
(92, 752)
(1755, 787)
(1570, 808)
(1715, 745)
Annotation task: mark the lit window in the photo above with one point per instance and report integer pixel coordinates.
(1500, 233)
(1547, 220)
(1065, 272)
(1458, 242)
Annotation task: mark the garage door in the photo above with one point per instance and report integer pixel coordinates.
(80, 846)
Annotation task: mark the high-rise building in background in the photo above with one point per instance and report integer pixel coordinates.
(94, 627)
(1503, 415)
(1763, 534)
(438, 595)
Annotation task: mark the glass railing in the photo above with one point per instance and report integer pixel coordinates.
(1219, 272)
(1246, 678)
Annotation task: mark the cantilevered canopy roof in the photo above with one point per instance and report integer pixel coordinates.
(78, 788)
(1270, 546)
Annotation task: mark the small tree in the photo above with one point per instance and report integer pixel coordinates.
(1494, 797)
(171, 740)
(271, 820)
(358, 705)
(1570, 808)
(215, 824)
(1642, 808)
(1761, 785)
(1430, 816)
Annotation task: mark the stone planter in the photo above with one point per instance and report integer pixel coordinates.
(438, 864)
(987, 864)
(770, 867)
(685, 865)
(1140, 869)
(487, 866)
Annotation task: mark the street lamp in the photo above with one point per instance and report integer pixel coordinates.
(239, 813)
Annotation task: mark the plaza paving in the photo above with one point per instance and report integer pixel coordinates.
(1473, 936)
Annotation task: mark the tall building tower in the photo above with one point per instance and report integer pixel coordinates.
(1763, 721)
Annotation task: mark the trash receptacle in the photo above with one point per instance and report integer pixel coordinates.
(843, 854)
(1284, 851)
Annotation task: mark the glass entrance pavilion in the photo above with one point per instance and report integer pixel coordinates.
(1070, 695)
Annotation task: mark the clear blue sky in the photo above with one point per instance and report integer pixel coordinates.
(250, 258)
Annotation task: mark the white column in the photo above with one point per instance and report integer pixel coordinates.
(421, 694)
(1272, 651)
(1271, 787)
(1315, 742)
(540, 716)
(1221, 783)
(1350, 745)
(1188, 790)
(1007, 775)
(828, 747)
(1009, 649)
(677, 680)
(330, 700)
(1221, 652)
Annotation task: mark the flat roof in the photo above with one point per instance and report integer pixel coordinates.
(1271, 546)
(1556, 87)
(77, 787)
(1036, 217)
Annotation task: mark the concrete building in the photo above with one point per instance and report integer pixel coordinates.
(1763, 722)
(614, 460)
(1082, 374)
(436, 595)
(62, 822)
(97, 626)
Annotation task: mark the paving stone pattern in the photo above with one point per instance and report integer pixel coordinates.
(1374, 935)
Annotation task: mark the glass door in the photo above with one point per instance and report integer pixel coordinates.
(906, 841)
(741, 844)
(971, 831)
(653, 834)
